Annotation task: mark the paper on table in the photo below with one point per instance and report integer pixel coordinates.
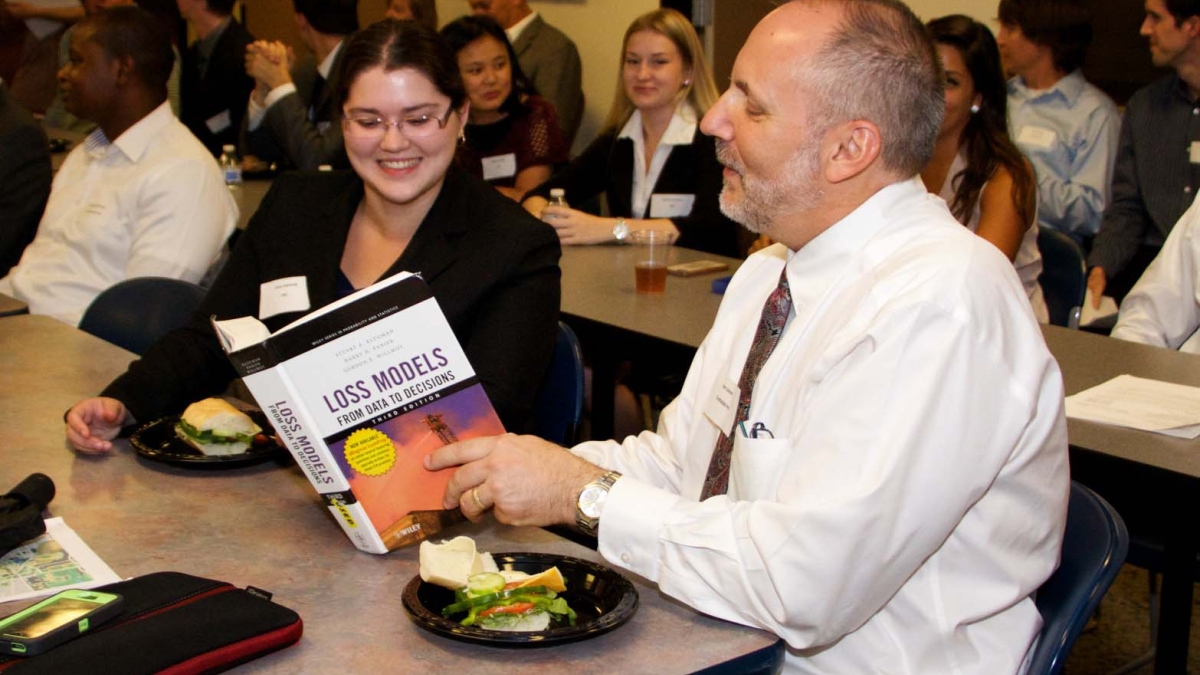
(55, 561)
(1108, 307)
(1138, 403)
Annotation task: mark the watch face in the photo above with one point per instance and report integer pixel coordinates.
(591, 500)
(621, 230)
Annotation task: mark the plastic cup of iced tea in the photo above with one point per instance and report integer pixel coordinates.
(651, 257)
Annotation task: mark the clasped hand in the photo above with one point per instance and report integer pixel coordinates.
(269, 63)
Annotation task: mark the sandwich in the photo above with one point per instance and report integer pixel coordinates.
(506, 600)
(214, 427)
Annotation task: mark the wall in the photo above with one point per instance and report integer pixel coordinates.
(596, 27)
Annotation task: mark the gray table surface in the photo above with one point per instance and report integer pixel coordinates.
(598, 285)
(10, 306)
(264, 526)
(1087, 360)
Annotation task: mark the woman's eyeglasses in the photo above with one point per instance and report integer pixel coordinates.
(373, 127)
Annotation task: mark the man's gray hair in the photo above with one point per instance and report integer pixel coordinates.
(880, 65)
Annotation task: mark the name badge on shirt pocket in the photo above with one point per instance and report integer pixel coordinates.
(281, 296)
(219, 122)
(1036, 137)
(671, 206)
(500, 166)
(1194, 152)
(721, 409)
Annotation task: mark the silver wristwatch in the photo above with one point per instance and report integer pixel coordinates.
(621, 231)
(591, 501)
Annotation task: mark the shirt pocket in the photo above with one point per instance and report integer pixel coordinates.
(756, 466)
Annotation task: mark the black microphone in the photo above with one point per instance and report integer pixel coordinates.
(21, 511)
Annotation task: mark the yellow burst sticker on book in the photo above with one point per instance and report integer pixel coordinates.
(370, 452)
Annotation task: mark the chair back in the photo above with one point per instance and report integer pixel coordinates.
(559, 405)
(134, 313)
(1064, 276)
(1093, 551)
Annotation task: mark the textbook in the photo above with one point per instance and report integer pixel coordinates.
(360, 391)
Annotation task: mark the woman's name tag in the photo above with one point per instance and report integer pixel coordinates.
(671, 206)
(289, 294)
(500, 166)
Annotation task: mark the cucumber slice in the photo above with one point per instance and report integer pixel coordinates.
(487, 582)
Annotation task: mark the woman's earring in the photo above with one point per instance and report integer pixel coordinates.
(687, 82)
(974, 108)
(462, 135)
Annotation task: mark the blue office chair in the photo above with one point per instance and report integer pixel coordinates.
(1064, 276)
(134, 313)
(1094, 548)
(559, 405)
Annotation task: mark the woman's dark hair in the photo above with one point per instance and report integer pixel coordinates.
(985, 139)
(392, 45)
(462, 32)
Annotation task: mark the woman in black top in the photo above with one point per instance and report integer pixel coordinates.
(405, 207)
(651, 161)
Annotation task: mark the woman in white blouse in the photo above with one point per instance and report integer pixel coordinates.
(976, 167)
(651, 161)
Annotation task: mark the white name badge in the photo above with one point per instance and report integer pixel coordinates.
(219, 122)
(1194, 152)
(721, 409)
(1036, 137)
(500, 166)
(281, 296)
(671, 206)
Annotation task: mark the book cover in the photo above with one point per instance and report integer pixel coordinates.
(360, 391)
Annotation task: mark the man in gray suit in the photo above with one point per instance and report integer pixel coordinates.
(548, 58)
(292, 117)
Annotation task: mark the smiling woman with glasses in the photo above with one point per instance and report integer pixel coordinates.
(406, 206)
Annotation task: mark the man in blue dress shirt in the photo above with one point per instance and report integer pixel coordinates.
(1064, 125)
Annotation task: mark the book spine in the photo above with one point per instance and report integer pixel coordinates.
(276, 396)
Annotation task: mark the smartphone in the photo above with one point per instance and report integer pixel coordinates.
(56, 620)
(690, 269)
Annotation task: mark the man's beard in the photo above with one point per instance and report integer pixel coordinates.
(765, 200)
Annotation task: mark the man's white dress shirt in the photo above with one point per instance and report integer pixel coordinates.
(150, 203)
(1163, 309)
(914, 492)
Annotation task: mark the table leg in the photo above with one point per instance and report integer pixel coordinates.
(1180, 550)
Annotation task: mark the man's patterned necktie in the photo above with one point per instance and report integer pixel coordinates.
(770, 327)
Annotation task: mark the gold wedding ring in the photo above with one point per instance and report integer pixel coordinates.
(478, 501)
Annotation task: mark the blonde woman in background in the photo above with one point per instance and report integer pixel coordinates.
(651, 161)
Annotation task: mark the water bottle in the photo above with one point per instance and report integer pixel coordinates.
(557, 198)
(231, 167)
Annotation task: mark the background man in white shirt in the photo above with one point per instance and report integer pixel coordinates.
(898, 479)
(140, 196)
(1163, 308)
(548, 58)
